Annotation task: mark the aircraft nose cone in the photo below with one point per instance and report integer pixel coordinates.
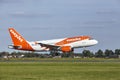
(95, 42)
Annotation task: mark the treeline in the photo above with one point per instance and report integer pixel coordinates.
(102, 54)
(85, 54)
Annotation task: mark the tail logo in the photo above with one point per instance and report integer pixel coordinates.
(16, 35)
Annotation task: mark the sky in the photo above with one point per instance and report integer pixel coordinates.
(52, 19)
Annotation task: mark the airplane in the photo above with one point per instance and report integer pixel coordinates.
(64, 45)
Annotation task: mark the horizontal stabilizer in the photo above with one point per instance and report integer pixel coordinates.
(14, 47)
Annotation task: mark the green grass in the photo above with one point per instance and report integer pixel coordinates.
(59, 71)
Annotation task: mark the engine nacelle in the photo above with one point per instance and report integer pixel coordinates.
(66, 49)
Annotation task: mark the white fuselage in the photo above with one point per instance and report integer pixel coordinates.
(77, 44)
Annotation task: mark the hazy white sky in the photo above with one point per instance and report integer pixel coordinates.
(49, 19)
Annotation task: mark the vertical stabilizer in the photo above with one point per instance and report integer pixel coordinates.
(18, 40)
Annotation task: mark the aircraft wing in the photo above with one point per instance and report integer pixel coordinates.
(51, 47)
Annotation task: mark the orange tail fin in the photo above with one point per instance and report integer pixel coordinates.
(18, 40)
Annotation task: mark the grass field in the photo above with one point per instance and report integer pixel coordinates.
(59, 71)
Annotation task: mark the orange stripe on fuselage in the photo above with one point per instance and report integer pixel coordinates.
(72, 39)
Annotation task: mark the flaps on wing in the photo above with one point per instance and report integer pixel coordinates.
(52, 47)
